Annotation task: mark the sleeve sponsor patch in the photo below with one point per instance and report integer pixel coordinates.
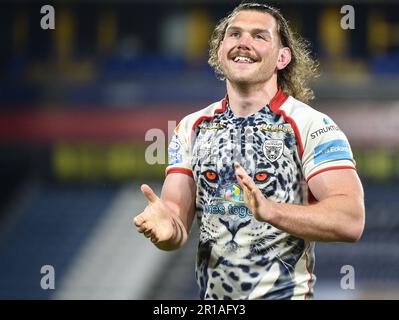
(174, 151)
(332, 150)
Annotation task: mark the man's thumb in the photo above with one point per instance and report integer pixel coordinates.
(149, 194)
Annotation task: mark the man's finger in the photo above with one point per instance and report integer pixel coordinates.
(138, 221)
(242, 175)
(246, 179)
(244, 185)
(247, 183)
(240, 182)
(143, 228)
(256, 194)
(149, 194)
(239, 170)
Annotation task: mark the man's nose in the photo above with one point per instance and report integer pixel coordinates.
(244, 42)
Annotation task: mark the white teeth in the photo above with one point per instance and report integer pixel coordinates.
(245, 59)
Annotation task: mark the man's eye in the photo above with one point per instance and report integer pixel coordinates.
(211, 175)
(234, 34)
(261, 176)
(259, 36)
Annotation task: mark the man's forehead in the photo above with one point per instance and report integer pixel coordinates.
(253, 19)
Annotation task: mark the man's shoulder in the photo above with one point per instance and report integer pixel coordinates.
(194, 118)
(294, 106)
(300, 112)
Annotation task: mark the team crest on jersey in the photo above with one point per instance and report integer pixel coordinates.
(273, 149)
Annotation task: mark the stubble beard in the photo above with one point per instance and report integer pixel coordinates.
(235, 77)
(260, 76)
(257, 78)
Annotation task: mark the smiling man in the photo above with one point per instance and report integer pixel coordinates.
(265, 174)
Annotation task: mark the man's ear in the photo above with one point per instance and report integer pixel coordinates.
(284, 58)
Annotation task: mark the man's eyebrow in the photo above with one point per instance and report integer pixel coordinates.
(254, 30)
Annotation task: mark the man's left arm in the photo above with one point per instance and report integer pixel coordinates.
(338, 216)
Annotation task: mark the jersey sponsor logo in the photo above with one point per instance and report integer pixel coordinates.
(174, 151)
(273, 149)
(329, 127)
(326, 121)
(332, 150)
(233, 211)
(210, 126)
(231, 203)
(232, 193)
(268, 127)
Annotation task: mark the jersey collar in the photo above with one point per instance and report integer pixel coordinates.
(275, 103)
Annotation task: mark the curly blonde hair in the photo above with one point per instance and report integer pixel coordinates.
(294, 78)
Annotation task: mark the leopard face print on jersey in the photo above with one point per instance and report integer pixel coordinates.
(240, 257)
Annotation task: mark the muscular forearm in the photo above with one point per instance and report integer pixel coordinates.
(336, 219)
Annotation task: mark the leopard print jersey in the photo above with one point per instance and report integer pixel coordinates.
(281, 146)
(240, 257)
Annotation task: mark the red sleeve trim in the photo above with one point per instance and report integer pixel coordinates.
(327, 169)
(181, 170)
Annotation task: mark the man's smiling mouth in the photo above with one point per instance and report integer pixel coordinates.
(241, 59)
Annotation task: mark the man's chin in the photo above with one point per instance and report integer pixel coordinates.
(241, 80)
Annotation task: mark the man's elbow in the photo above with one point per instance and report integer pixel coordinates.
(355, 230)
(355, 235)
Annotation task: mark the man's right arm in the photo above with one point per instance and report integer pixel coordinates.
(167, 221)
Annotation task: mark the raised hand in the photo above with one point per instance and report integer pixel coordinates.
(253, 197)
(156, 221)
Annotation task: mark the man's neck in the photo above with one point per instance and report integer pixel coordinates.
(249, 99)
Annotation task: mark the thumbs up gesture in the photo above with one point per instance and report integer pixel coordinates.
(156, 221)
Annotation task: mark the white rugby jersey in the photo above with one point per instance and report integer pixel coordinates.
(281, 147)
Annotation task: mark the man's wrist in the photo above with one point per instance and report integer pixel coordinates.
(271, 212)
